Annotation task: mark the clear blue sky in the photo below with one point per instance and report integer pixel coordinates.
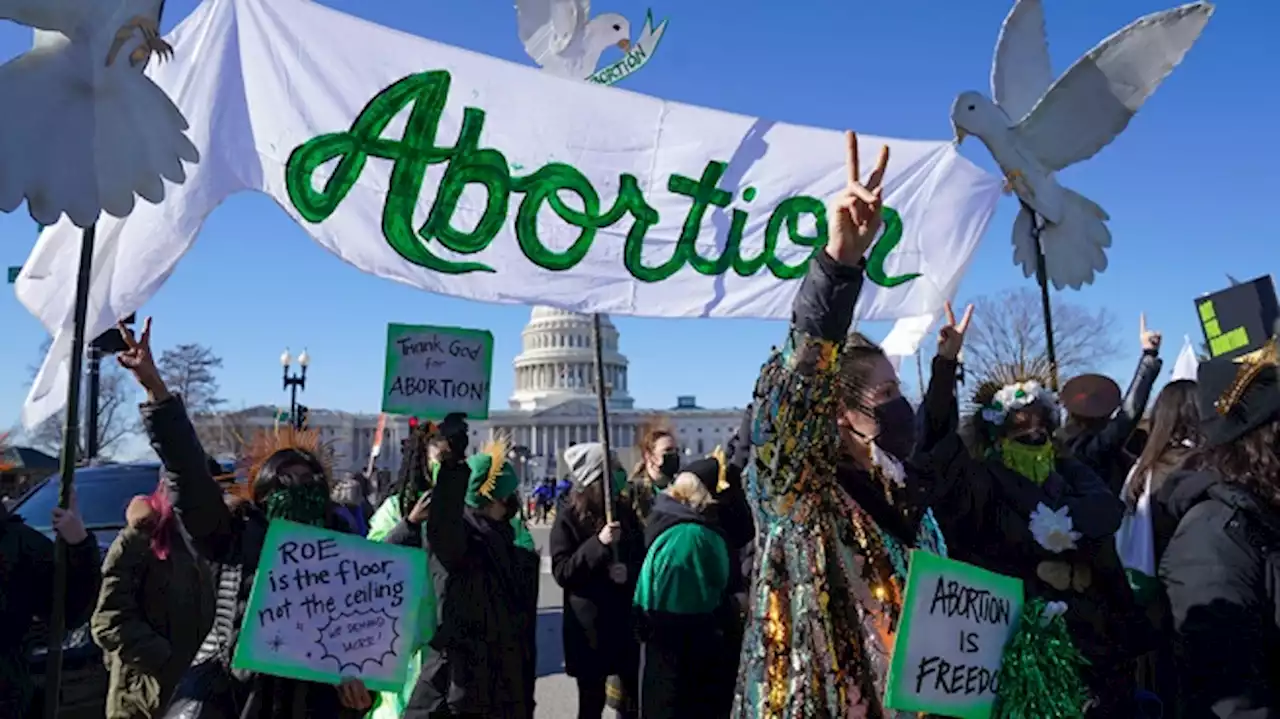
(1189, 187)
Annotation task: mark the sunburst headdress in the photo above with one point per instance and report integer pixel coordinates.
(496, 449)
(266, 443)
(722, 480)
(1008, 387)
(1251, 365)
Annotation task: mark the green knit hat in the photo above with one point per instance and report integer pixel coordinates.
(493, 479)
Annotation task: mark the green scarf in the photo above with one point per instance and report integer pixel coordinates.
(305, 504)
(1035, 462)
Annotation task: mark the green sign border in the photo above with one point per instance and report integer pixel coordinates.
(393, 365)
(924, 567)
(248, 659)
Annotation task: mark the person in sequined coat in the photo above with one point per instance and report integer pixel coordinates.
(824, 579)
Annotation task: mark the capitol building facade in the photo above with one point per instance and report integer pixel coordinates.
(553, 406)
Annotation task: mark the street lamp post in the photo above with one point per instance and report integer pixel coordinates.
(295, 382)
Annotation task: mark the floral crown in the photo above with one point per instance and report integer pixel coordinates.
(1012, 387)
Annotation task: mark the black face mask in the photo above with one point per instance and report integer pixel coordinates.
(1034, 438)
(896, 422)
(670, 465)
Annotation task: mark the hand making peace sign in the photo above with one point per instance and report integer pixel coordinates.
(853, 216)
(951, 335)
(139, 360)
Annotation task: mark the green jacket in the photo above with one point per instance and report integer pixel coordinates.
(685, 573)
(148, 621)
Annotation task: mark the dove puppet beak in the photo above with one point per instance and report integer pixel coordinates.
(960, 134)
(624, 44)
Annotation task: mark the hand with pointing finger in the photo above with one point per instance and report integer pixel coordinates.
(951, 335)
(1150, 340)
(853, 216)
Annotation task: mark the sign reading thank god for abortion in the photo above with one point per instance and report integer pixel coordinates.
(956, 620)
(433, 371)
(327, 605)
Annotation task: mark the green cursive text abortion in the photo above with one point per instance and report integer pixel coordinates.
(467, 163)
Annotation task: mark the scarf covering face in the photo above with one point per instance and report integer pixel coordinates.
(305, 504)
(1035, 462)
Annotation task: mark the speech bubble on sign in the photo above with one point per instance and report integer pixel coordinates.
(353, 640)
(326, 606)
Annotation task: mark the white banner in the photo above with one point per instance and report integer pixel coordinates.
(479, 178)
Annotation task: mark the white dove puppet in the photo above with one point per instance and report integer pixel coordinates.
(1034, 128)
(558, 35)
(85, 130)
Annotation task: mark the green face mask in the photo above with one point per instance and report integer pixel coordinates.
(305, 504)
(1033, 461)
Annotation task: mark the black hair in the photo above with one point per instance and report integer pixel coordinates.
(858, 357)
(273, 477)
(415, 470)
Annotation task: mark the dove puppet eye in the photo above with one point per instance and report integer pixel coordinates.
(972, 108)
(617, 28)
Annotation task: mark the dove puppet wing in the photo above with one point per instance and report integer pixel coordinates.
(546, 27)
(1020, 71)
(83, 153)
(1086, 108)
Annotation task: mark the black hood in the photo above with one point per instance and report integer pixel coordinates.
(1184, 490)
(667, 513)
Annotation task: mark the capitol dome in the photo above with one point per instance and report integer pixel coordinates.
(557, 361)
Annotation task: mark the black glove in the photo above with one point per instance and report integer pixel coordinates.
(453, 429)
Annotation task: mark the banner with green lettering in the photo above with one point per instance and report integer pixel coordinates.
(479, 178)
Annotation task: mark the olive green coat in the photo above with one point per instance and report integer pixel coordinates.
(151, 617)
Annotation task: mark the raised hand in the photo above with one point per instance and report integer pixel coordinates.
(853, 216)
(951, 335)
(1150, 340)
(139, 360)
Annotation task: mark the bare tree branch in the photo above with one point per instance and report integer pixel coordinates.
(1008, 330)
(117, 416)
(188, 370)
(225, 433)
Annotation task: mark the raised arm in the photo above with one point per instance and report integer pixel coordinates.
(793, 403)
(196, 494)
(446, 535)
(1098, 449)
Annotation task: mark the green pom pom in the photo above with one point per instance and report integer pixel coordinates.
(1040, 671)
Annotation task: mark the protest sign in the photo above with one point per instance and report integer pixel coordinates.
(956, 620)
(432, 371)
(1239, 319)
(327, 605)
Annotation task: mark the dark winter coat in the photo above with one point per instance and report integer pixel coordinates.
(232, 542)
(26, 592)
(1103, 450)
(1221, 572)
(984, 514)
(483, 657)
(689, 654)
(598, 636)
(148, 621)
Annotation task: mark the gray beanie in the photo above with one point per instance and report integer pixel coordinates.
(586, 464)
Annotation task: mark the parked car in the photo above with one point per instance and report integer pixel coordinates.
(103, 493)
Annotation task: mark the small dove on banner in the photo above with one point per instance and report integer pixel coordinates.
(558, 35)
(1187, 364)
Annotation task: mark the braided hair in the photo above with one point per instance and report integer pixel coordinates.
(415, 468)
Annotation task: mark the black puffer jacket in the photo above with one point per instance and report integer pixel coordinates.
(26, 591)
(1103, 450)
(1221, 572)
(232, 544)
(598, 638)
(483, 658)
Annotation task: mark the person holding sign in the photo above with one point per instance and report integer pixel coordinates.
(823, 586)
(1020, 505)
(483, 657)
(288, 480)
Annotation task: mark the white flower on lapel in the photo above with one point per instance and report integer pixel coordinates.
(1053, 529)
(1051, 610)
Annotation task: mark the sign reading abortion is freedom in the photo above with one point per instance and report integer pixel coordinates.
(433, 371)
(327, 605)
(956, 620)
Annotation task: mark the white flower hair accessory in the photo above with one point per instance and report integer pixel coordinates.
(1013, 397)
(1053, 529)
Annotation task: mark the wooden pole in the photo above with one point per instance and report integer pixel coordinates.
(1042, 278)
(70, 449)
(602, 401)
